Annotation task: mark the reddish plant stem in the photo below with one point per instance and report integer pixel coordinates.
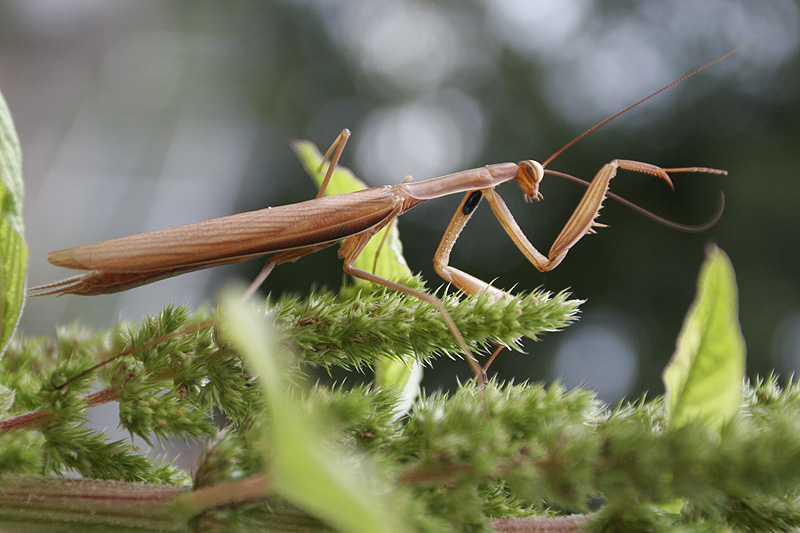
(559, 524)
(41, 416)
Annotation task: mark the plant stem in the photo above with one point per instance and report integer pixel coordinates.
(565, 524)
(28, 420)
(250, 489)
(47, 504)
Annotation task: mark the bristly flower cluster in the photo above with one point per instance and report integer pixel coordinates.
(184, 376)
(353, 329)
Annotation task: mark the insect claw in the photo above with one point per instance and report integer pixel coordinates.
(531, 197)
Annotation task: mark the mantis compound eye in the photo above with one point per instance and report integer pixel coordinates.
(529, 176)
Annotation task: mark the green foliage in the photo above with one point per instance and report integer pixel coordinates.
(330, 482)
(362, 325)
(13, 250)
(176, 374)
(704, 378)
(455, 462)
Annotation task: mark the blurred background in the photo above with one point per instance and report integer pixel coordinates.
(135, 116)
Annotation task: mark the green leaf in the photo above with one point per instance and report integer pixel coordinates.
(383, 256)
(306, 466)
(704, 378)
(384, 259)
(13, 250)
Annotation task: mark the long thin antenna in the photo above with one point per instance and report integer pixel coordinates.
(615, 115)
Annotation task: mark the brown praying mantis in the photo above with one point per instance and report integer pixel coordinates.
(293, 231)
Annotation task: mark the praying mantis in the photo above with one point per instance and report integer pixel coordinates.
(295, 230)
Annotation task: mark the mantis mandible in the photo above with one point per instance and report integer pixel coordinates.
(296, 230)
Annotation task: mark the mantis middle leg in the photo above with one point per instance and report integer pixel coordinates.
(350, 250)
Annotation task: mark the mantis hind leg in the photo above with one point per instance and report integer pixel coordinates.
(335, 150)
(288, 256)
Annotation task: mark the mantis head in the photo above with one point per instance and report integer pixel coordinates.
(529, 176)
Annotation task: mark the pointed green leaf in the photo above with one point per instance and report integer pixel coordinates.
(705, 376)
(383, 256)
(337, 485)
(13, 250)
(384, 259)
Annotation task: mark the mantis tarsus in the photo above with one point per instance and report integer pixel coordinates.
(292, 231)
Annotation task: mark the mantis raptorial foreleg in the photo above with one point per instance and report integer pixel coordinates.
(582, 221)
(441, 261)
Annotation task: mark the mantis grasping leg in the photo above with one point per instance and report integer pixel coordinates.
(583, 219)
